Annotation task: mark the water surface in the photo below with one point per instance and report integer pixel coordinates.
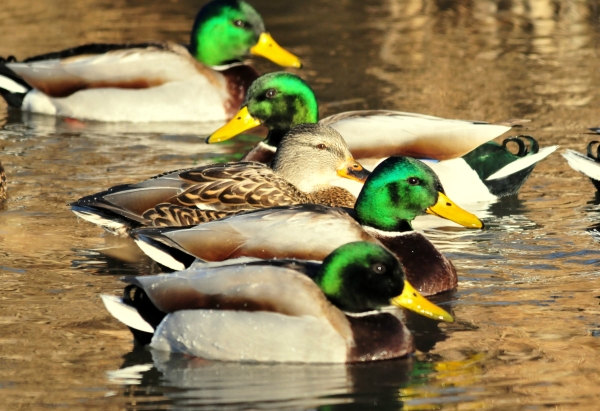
(528, 323)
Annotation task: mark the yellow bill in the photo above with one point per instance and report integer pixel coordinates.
(268, 48)
(241, 122)
(352, 170)
(412, 300)
(446, 208)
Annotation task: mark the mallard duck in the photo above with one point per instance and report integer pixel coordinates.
(150, 81)
(398, 190)
(484, 172)
(3, 193)
(590, 165)
(310, 157)
(272, 311)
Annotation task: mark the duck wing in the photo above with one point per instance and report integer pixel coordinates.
(306, 232)
(134, 66)
(237, 287)
(244, 185)
(410, 134)
(188, 196)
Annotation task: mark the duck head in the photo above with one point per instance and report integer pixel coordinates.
(227, 30)
(278, 101)
(310, 156)
(362, 276)
(402, 188)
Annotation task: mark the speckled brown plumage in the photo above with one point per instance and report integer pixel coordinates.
(333, 197)
(244, 185)
(170, 215)
(3, 193)
(310, 157)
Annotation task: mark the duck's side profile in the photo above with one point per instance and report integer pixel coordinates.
(588, 165)
(3, 192)
(143, 82)
(310, 157)
(278, 311)
(469, 169)
(397, 191)
(492, 171)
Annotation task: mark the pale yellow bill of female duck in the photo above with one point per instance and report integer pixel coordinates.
(309, 159)
(588, 165)
(272, 311)
(470, 170)
(398, 190)
(150, 81)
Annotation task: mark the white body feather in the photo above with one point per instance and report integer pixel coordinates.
(250, 336)
(179, 90)
(419, 134)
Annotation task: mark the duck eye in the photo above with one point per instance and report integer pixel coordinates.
(414, 181)
(378, 268)
(240, 23)
(321, 146)
(271, 93)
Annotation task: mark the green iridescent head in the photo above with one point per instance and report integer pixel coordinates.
(224, 31)
(360, 276)
(227, 30)
(281, 101)
(397, 191)
(402, 188)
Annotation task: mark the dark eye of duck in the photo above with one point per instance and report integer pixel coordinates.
(240, 23)
(271, 93)
(414, 181)
(321, 146)
(378, 268)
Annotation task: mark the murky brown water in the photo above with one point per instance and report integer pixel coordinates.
(528, 329)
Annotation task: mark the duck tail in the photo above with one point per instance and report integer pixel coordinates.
(109, 221)
(509, 179)
(126, 311)
(513, 122)
(527, 158)
(161, 248)
(12, 87)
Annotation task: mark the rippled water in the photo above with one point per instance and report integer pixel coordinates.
(528, 320)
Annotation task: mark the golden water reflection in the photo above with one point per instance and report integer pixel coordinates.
(527, 330)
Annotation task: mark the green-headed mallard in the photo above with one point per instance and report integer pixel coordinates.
(309, 159)
(397, 191)
(150, 81)
(588, 165)
(484, 172)
(272, 311)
